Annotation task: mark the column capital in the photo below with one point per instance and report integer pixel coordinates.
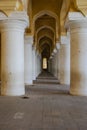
(10, 25)
(76, 19)
(75, 16)
(29, 39)
(18, 15)
(58, 45)
(51, 57)
(72, 17)
(78, 23)
(17, 21)
(55, 50)
(65, 39)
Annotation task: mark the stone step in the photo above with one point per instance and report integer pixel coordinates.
(47, 78)
(45, 82)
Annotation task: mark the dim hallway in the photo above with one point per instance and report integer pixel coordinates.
(50, 36)
(45, 106)
(43, 64)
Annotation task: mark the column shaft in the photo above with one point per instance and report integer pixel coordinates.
(78, 57)
(12, 57)
(28, 60)
(34, 64)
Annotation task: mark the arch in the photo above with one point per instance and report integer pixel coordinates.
(46, 12)
(45, 26)
(45, 36)
(3, 14)
(40, 44)
(48, 40)
(46, 45)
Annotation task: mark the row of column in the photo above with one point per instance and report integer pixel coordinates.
(18, 59)
(72, 58)
(13, 61)
(32, 61)
(60, 61)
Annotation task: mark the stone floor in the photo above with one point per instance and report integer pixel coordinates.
(46, 106)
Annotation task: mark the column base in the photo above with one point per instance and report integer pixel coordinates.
(78, 92)
(13, 92)
(29, 83)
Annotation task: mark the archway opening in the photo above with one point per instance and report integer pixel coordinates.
(44, 63)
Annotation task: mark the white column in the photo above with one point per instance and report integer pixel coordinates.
(52, 63)
(38, 61)
(12, 57)
(28, 60)
(58, 64)
(65, 60)
(55, 63)
(36, 64)
(78, 30)
(33, 63)
(0, 58)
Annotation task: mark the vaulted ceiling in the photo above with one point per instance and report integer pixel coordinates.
(46, 18)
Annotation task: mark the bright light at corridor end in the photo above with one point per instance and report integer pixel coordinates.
(44, 63)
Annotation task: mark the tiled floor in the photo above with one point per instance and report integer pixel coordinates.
(44, 107)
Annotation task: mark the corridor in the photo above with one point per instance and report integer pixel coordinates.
(46, 105)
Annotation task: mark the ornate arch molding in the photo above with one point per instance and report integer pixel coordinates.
(47, 36)
(45, 26)
(45, 42)
(47, 46)
(3, 14)
(46, 12)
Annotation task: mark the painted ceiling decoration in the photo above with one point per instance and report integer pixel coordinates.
(46, 19)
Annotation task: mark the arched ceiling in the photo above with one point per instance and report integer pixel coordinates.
(47, 21)
(47, 18)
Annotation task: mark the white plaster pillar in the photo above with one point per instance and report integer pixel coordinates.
(78, 29)
(28, 60)
(0, 58)
(58, 65)
(33, 63)
(58, 60)
(52, 63)
(38, 64)
(55, 63)
(40, 59)
(65, 60)
(12, 57)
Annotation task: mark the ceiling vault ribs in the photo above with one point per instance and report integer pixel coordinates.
(46, 18)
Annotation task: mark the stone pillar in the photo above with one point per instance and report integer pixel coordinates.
(78, 29)
(28, 60)
(12, 57)
(52, 63)
(0, 58)
(55, 63)
(58, 60)
(33, 63)
(65, 60)
(36, 65)
(38, 62)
